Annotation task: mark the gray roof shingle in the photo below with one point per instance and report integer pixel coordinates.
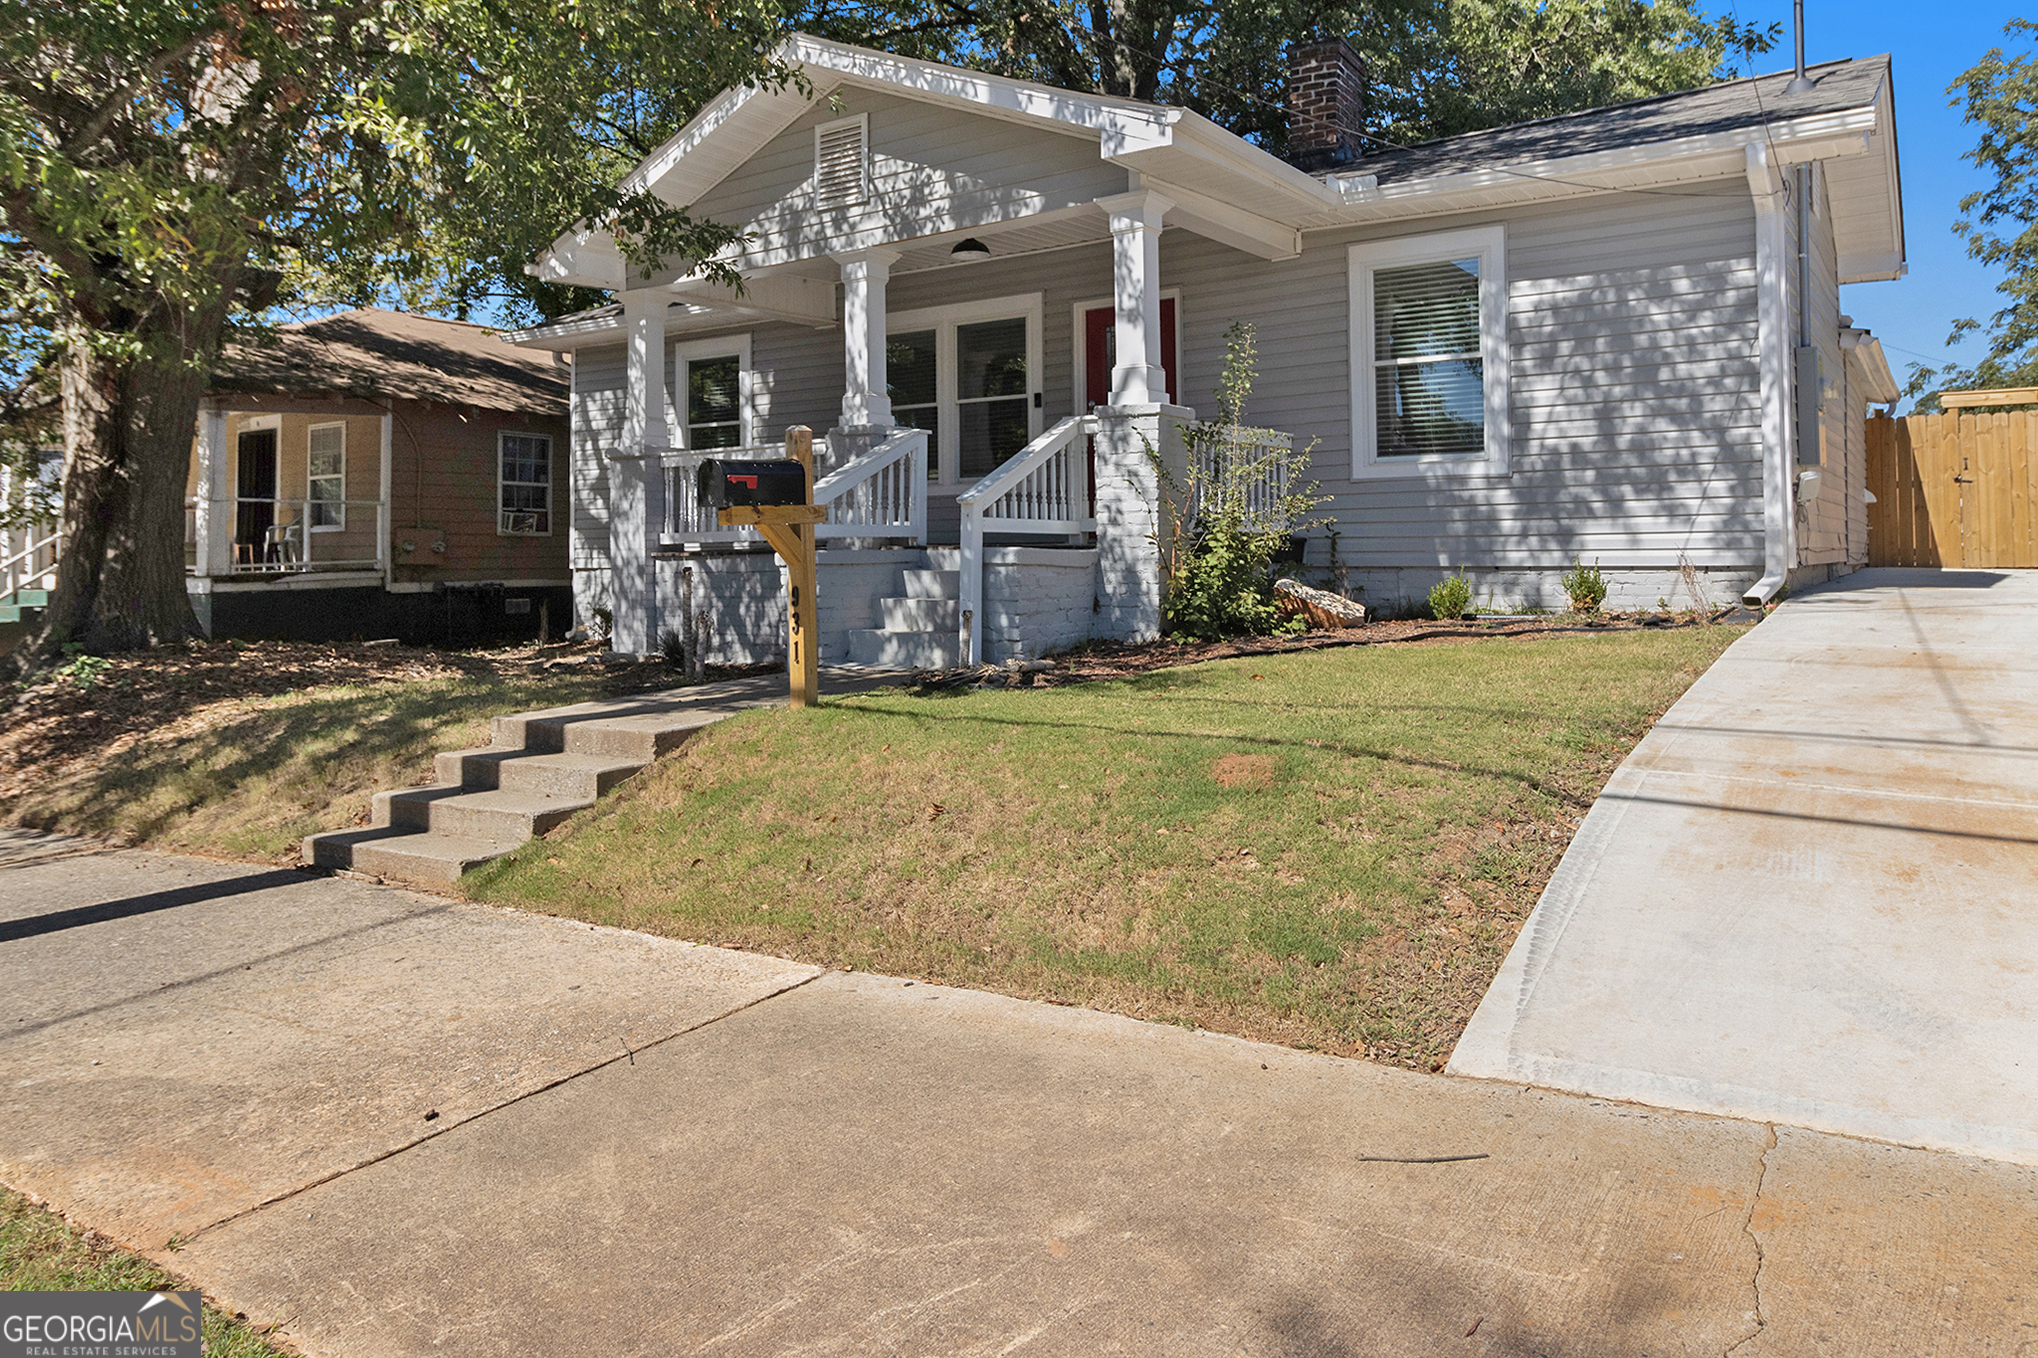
(372, 354)
(1731, 106)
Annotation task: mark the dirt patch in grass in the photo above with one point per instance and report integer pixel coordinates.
(1331, 849)
(242, 749)
(1243, 770)
(40, 1251)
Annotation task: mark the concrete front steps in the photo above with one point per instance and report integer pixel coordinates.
(538, 769)
(922, 624)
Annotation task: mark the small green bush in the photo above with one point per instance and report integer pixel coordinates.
(1586, 586)
(1218, 534)
(1449, 598)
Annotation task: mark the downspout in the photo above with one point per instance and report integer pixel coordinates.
(1772, 248)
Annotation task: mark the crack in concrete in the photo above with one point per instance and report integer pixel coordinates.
(1748, 1229)
(286, 1195)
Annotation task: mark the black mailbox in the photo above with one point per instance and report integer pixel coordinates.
(722, 483)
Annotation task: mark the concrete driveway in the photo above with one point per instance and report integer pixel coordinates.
(1811, 893)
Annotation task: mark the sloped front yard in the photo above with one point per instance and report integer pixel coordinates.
(1331, 850)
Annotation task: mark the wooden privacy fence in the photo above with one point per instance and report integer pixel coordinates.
(1955, 490)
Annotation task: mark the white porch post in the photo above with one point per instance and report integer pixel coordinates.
(215, 510)
(637, 476)
(866, 404)
(1138, 379)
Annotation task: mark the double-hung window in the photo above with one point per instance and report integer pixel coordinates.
(970, 375)
(710, 389)
(524, 484)
(1429, 355)
(325, 466)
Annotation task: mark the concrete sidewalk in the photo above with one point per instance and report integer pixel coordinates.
(643, 1147)
(1811, 893)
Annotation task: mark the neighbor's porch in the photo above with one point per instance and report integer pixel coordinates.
(279, 492)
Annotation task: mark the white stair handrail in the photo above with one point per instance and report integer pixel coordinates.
(18, 570)
(882, 494)
(1045, 488)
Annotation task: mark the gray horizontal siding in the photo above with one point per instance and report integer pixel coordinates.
(1635, 432)
(598, 396)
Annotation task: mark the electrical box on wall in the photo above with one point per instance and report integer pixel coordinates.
(1811, 401)
(421, 546)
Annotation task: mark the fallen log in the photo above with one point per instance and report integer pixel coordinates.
(1321, 607)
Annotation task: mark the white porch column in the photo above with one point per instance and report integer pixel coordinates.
(1138, 378)
(215, 509)
(637, 476)
(866, 404)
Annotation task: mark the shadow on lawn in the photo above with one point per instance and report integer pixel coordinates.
(1346, 748)
(303, 754)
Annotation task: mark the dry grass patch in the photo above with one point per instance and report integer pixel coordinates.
(41, 1252)
(241, 750)
(1332, 850)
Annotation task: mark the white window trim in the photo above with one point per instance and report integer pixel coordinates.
(1080, 384)
(309, 430)
(551, 481)
(1489, 243)
(861, 122)
(679, 391)
(943, 320)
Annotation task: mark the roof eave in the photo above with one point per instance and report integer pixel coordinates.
(1822, 136)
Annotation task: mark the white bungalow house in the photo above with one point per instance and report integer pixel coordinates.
(1613, 336)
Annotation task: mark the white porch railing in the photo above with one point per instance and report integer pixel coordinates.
(1251, 464)
(345, 535)
(882, 494)
(31, 562)
(689, 523)
(1044, 488)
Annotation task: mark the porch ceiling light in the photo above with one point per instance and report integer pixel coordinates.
(970, 249)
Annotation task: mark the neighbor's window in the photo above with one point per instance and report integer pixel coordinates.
(524, 494)
(1429, 355)
(326, 475)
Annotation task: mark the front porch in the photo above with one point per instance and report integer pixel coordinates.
(282, 492)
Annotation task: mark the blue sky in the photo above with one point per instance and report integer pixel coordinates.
(1930, 45)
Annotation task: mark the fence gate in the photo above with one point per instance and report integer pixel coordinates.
(1956, 490)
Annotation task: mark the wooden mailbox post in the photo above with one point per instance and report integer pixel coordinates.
(790, 531)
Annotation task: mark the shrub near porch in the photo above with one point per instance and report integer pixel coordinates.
(1332, 850)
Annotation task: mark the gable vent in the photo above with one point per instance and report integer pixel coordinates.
(842, 162)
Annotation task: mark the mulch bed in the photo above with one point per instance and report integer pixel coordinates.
(1099, 660)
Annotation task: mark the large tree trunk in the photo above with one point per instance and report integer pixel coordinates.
(128, 426)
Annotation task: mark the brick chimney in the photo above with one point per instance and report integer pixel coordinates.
(1326, 103)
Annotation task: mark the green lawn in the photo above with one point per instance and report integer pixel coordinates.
(40, 1251)
(1332, 850)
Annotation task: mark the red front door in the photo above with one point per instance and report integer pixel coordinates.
(1100, 353)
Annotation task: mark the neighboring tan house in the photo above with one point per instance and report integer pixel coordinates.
(380, 474)
(1613, 336)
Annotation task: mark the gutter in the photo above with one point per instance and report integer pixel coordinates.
(1772, 254)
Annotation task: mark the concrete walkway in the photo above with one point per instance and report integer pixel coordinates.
(1811, 894)
(404, 1126)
